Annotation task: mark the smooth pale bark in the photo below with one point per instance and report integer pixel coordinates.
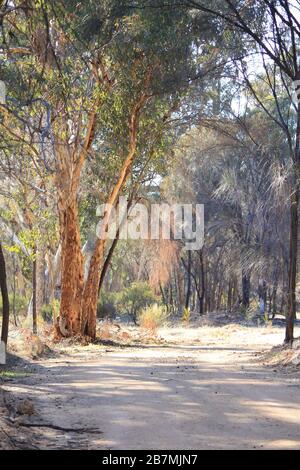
(53, 275)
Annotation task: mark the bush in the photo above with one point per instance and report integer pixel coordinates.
(106, 307)
(46, 313)
(135, 298)
(21, 304)
(153, 317)
(50, 312)
(186, 315)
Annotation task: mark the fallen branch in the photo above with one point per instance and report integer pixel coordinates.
(58, 428)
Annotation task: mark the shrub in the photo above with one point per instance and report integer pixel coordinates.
(50, 312)
(153, 317)
(106, 307)
(46, 313)
(21, 303)
(135, 298)
(186, 315)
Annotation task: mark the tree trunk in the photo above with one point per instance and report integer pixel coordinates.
(34, 315)
(180, 291)
(70, 164)
(202, 275)
(262, 295)
(14, 291)
(274, 302)
(291, 314)
(69, 320)
(40, 277)
(235, 293)
(5, 300)
(188, 290)
(246, 290)
(108, 261)
(90, 293)
(229, 296)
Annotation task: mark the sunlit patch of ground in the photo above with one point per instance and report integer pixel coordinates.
(195, 386)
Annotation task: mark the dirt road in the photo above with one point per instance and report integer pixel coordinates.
(203, 390)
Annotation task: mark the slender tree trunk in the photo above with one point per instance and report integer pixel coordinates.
(270, 294)
(163, 296)
(208, 290)
(262, 296)
(202, 276)
(171, 302)
(188, 290)
(283, 300)
(40, 277)
(235, 293)
(53, 279)
(180, 291)
(246, 290)
(274, 301)
(5, 300)
(294, 232)
(107, 263)
(14, 291)
(34, 314)
(229, 296)
(291, 305)
(90, 293)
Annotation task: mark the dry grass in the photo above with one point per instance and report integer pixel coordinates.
(283, 355)
(153, 317)
(24, 343)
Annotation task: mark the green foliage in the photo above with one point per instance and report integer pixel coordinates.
(20, 302)
(46, 313)
(50, 312)
(135, 298)
(106, 307)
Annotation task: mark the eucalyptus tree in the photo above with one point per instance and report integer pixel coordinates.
(27, 215)
(93, 75)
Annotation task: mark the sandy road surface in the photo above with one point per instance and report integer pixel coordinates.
(204, 390)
